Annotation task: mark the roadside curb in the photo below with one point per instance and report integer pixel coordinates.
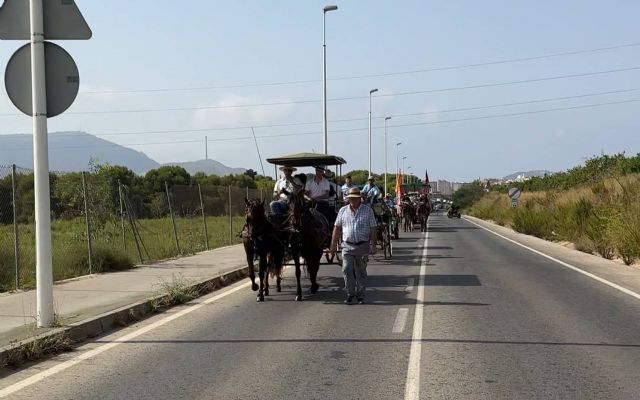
(78, 332)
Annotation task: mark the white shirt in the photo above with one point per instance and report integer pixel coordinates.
(283, 183)
(345, 189)
(318, 190)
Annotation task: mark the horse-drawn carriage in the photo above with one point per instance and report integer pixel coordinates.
(311, 160)
(301, 232)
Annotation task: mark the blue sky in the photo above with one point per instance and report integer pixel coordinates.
(158, 44)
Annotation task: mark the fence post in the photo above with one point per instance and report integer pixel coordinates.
(204, 219)
(86, 218)
(124, 238)
(173, 221)
(16, 238)
(230, 219)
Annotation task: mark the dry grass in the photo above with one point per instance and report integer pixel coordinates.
(603, 218)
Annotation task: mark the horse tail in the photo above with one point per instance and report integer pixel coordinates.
(275, 263)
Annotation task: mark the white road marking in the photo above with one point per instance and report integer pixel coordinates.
(410, 283)
(412, 386)
(564, 264)
(92, 353)
(401, 320)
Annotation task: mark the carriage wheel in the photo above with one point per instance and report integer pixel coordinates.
(385, 244)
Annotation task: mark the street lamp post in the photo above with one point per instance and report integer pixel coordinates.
(408, 176)
(403, 171)
(372, 91)
(385, 154)
(324, 74)
(397, 155)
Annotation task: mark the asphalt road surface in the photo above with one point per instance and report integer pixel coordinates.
(494, 321)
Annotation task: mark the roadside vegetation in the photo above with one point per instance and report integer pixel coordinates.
(596, 207)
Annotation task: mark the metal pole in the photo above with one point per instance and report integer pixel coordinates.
(230, 218)
(124, 238)
(369, 134)
(44, 264)
(173, 221)
(204, 218)
(206, 148)
(324, 75)
(86, 219)
(16, 237)
(385, 154)
(372, 91)
(258, 149)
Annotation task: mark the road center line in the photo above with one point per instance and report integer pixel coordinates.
(412, 386)
(564, 264)
(92, 353)
(401, 320)
(410, 283)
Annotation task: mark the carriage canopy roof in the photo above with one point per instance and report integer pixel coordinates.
(307, 160)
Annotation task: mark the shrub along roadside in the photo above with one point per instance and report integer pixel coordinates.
(603, 218)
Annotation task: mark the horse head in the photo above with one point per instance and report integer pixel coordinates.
(254, 212)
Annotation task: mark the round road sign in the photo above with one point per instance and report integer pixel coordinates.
(62, 79)
(514, 193)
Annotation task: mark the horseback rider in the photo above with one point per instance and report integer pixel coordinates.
(281, 191)
(371, 191)
(317, 190)
(348, 184)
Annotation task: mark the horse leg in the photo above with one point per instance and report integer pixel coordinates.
(296, 261)
(262, 272)
(248, 250)
(266, 275)
(313, 268)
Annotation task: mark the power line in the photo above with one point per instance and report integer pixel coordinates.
(349, 130)
(409, 72)
(486, 85)
(363, 119)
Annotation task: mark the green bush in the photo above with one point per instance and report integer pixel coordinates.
(534, 222)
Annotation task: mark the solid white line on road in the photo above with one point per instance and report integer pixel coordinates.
(412, 387)
(410, 283)
(401, 320)
(564, 264)
(92, 353)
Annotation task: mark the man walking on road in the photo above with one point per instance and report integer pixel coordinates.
(357, 225)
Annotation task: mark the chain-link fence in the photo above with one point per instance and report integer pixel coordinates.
(99, 224)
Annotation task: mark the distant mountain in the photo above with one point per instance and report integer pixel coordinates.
(209, 167)
(526, 174)
(72, 151)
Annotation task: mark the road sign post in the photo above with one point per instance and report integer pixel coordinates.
(37, 20)
(44, 264)
(514, 195)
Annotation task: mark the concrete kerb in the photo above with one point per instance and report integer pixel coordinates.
(118, 318)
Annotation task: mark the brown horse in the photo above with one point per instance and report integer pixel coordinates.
(261, 238)
(423, 212)
(408, 215)
(309, 232)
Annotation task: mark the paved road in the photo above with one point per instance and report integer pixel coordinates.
(498, 322)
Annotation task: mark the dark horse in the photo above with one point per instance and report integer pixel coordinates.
(423, 211)
(309, 231)
(408, 215)
(261, 238)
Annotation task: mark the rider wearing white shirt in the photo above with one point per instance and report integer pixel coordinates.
(281, 191)
(317, 189)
